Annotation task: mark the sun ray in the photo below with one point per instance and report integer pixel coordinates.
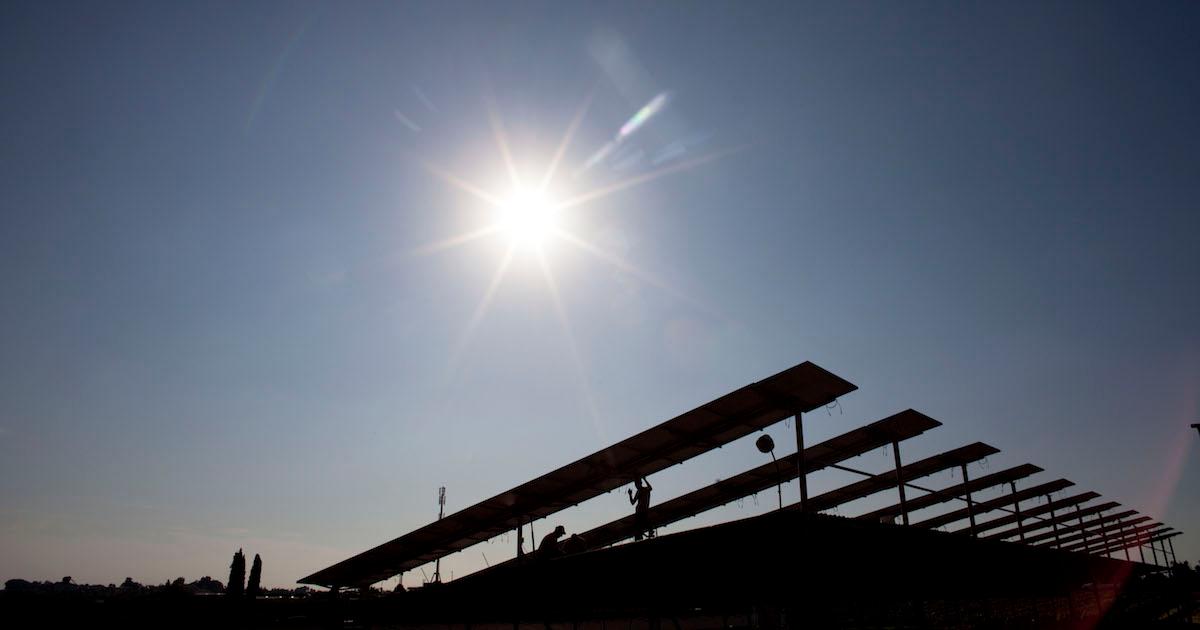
(502, 141)
(566, 141)
(646, 177)
(576, 360)
(632, 270)
(461, 184)
(482, 308)
(454, 241)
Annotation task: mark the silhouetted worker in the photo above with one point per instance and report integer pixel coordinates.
(549, 547)
(574, 544)
(641, 499)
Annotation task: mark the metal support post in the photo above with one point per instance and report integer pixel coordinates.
(1142, 553)
(1121, 535)
(801, 475)
(1053, 522)
(970, 502)
(1174, 560)
(1081, 527)
(900, 481)
(1154, 553)
(1104, 534)
(1017, 508)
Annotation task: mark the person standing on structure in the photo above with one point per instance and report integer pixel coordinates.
(549, 546)
(640, 499)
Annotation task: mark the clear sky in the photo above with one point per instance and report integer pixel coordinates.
(223, 322)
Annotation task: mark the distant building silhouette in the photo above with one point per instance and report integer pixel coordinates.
(237, 575)
(254, 588)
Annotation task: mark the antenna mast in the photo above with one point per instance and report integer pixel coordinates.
(437, 565)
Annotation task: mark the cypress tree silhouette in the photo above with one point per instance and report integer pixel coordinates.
(254, 589)
(237, 575)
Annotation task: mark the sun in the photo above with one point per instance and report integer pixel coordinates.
(527, 218)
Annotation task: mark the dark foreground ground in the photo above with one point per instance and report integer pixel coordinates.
(781, 570)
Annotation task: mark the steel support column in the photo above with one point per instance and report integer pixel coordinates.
(1017, 509)
(970, 502)
(1053, 522)
(1104, 534)
(801, 476)
(1174, 560)
(900, 480)
(1082, 529)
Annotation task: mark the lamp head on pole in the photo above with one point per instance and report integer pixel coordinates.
(765, 444)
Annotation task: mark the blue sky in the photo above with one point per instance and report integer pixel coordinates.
(221, 327)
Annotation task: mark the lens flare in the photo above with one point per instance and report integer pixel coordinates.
(527, 217)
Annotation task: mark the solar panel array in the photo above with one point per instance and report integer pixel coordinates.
(799, 389)
(1069, 524)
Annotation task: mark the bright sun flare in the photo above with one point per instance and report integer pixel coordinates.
(530, 219)
(527, 217)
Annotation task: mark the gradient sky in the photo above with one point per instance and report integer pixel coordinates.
(219, 329)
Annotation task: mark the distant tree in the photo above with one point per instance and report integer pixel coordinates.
(254, 588)
(66, 580)
(237, 575)
(208, 585)
(130, 584)
(17, 584)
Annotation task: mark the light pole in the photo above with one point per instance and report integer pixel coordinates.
(1196, 427)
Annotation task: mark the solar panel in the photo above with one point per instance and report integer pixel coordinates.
(1067, 523)
(1036, 511)
(997, 503)
(1082, 545)
(922, 468)
(1146, 539)
(1099, 526)
(954, 492)
(798, 389)
(1143, 539)
(1093, 544)
(897, 427)
(1125, 527)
